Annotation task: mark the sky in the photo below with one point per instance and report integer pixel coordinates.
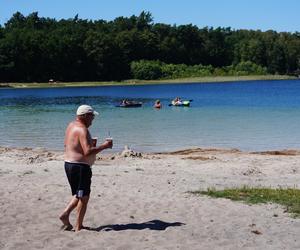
(278, 15)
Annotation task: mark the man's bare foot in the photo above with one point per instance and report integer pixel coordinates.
(81, 228)
(65, 219)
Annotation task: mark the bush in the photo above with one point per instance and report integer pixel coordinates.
(249, 68)
(146, 70)
(154, 70)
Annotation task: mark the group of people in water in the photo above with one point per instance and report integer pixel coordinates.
(177, 101)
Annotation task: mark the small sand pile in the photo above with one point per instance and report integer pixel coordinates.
(127, 152)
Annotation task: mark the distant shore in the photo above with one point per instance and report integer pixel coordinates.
(208, 79)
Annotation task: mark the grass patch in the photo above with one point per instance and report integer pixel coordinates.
(290, 197)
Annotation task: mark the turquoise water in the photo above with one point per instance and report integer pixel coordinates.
(254, 115)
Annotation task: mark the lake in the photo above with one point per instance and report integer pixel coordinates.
(248, 115)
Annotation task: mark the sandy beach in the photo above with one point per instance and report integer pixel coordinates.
(142, 201)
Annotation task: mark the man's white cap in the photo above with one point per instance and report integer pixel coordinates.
(86, 109)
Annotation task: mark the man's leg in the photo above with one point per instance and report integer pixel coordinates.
(81, 209)
(64, 217)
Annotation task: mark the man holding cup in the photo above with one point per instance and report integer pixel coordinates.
(80, 154)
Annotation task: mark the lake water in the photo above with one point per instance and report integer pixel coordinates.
(252, 116)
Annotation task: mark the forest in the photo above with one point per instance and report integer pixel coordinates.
(36, 49)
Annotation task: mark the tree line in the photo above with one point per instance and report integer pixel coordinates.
(36, 49)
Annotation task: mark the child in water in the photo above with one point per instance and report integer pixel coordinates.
(157, 104)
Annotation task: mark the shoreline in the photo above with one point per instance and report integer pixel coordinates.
(135, 153)
(212, 79)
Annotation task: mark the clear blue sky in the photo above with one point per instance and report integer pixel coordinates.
(279, 15)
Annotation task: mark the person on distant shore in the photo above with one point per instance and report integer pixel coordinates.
(80, 154)
(157, 104)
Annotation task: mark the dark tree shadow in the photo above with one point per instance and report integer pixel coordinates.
(152, 225)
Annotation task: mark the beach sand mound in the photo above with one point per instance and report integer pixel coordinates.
(287, 152)
(127, 152)
(202, 151)
(30, 155)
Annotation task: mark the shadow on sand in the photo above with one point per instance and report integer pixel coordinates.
(152, 225)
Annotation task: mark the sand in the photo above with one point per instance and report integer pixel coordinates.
(142, 202)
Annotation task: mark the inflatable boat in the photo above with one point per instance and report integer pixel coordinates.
(181, 104)
(130, 104)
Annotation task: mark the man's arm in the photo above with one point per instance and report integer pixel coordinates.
(87, 148)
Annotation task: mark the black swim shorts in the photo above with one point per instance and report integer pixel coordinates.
(79, 177)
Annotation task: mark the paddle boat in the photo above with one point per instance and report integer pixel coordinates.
(129, 104)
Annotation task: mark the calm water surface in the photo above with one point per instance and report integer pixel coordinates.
(254, 115)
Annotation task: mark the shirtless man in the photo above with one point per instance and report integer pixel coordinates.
(80, 154)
